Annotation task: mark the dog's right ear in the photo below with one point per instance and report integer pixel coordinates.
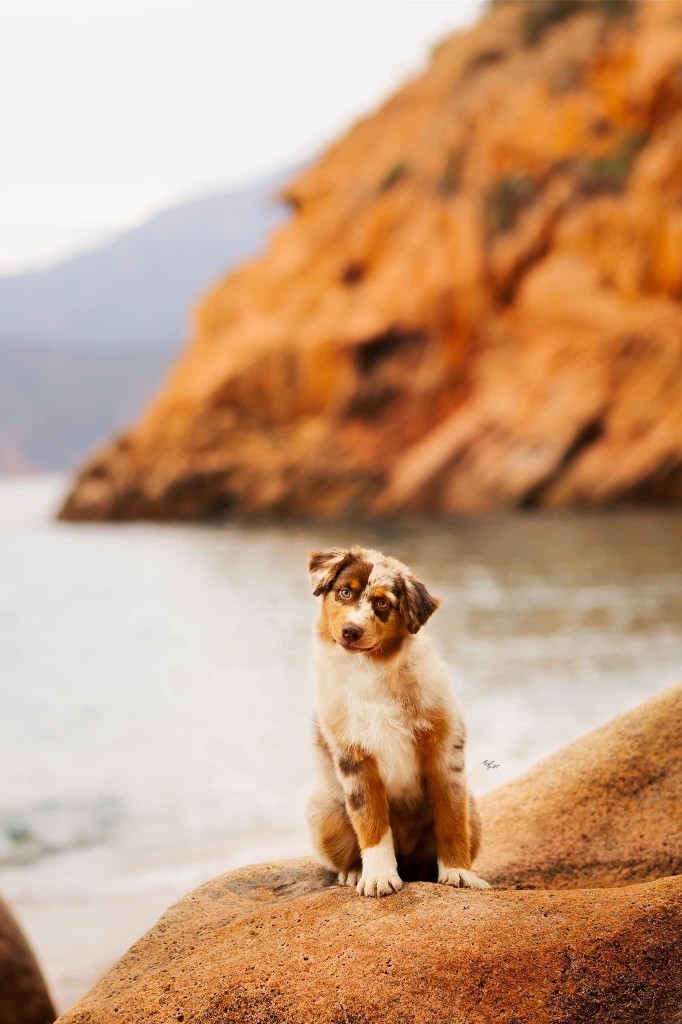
(325, 566)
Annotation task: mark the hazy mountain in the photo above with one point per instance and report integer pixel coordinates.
(83, 344)
(56, 404)
(136, 290)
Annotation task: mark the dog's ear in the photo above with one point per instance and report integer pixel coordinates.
(325, 566)
(416, 604)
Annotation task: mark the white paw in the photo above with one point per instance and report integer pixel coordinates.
(379, 885)
(461, 877)
(349, 877)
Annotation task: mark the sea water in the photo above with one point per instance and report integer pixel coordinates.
(155, 687)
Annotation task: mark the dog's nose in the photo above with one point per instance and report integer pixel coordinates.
(351, 633)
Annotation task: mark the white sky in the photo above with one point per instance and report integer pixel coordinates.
(113, 109)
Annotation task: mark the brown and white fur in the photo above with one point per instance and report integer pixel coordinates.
(389, 737)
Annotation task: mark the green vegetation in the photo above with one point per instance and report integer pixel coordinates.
(509, 196)
(610, 173)
(539, 15)
(542, 14)
(448, 183)
(396, 174)
(506, 199)
(485, 59)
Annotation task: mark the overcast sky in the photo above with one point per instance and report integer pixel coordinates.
(113, 109)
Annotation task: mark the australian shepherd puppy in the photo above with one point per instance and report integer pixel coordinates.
(391, 791)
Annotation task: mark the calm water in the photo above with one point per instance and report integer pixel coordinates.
(156, 687)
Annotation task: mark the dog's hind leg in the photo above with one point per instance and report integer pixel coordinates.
(334, 837)
(330, 826)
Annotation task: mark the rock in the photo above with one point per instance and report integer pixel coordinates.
(23, 995)
(280, 944)
(274, 944)
(605, 810)
(476, 305)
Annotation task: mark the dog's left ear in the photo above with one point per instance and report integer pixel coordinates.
(416, 604)
(325, 566)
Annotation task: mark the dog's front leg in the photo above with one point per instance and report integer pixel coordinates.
(449, 798)
(367, 806)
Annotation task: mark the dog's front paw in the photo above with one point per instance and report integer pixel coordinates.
(379, 885)
(349, 877)
(461, 878)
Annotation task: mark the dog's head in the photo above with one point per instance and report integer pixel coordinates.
(370, 602)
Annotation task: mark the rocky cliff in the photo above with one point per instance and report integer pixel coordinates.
(590, 831)
(476, 304)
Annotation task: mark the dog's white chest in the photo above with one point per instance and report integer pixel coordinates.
(377, 722)
(382, 730)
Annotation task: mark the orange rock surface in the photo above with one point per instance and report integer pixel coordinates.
(280, 944)
(273, 945)
(603, 811)
(477, 303)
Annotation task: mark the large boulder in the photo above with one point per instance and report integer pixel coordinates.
(276, 945)
(23, 995)
(280, 944)
(605, 810)
(477, 303)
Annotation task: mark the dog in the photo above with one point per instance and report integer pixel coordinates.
(391, 790)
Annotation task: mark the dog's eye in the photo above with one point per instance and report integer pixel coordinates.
(345, 593)
(382, 604)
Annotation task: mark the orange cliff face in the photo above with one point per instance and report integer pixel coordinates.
(477, 303)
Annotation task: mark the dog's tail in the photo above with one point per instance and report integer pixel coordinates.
(474, 828)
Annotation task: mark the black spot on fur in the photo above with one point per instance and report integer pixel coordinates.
(356, 800)
(348, 765)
